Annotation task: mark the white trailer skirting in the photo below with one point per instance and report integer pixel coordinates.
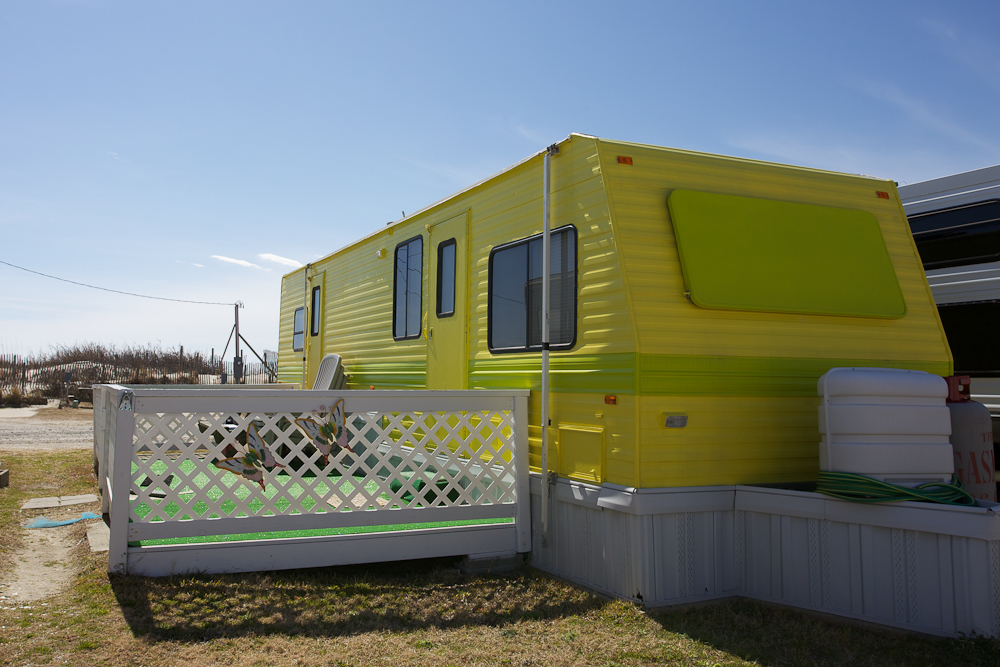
(930, 568)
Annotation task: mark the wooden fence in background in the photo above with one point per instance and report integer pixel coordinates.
(31, 375)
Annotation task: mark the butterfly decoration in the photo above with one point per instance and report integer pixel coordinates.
(249, 465)
(327, 432)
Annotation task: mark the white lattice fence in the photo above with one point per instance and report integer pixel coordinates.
(421, 467)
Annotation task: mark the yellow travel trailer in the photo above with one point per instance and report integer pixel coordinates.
(695, 298)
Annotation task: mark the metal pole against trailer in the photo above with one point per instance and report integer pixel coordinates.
(305, 318)
(546, 243)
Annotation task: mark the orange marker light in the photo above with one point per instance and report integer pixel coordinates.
(624, 160)
(882, 195)
(611, 400)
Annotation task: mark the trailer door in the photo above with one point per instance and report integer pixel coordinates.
(447, 326)
(315, 326)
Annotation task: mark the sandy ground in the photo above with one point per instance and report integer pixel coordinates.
(46, 428)
(43, 566)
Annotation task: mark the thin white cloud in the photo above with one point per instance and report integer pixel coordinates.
(529, 134)
(799, 151)
(238, 262)
(457, 175)
(200, 266)
(519, 129)
(920, 112)
(277, 259)
(905, 166)
(940, 28)
(971, 51)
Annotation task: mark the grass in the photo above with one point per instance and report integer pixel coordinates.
(411, 612)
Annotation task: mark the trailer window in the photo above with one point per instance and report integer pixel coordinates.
(298, 329)
(314, 314)
(446, 278)
(515, 294)
(408, 289)
(957, 236)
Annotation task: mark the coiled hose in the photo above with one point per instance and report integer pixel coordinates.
(861, 489)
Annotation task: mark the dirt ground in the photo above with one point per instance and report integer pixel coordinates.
(42, 567)
(46, 428)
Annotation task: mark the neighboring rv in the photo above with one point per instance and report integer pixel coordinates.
(956, 224)
(695, 299)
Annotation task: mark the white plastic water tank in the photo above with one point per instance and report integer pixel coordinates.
(889, 424)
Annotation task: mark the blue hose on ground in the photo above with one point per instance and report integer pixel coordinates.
(861, 489)
(42, 522)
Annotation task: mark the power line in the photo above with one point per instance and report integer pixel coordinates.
(105, 289)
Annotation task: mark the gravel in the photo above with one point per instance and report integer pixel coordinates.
(45, 428)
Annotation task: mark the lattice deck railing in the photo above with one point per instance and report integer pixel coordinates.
(183, 467)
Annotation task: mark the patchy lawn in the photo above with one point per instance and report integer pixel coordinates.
(416, 612)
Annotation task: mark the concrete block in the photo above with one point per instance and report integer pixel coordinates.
(40, 503)
(46, 503)
(98, 536)
(78, 500)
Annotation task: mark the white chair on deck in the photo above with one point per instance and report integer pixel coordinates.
(330, 374)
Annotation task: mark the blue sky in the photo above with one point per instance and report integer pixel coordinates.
(187, 149)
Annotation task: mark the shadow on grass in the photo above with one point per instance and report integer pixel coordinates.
(337, 601)
(776, 636)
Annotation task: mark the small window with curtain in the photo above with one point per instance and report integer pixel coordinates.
(408, 289)
(314, 314)
(298, 329)
(446, 278)
(515, 294)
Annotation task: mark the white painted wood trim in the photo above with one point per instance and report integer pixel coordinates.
(523, 519)
(332, 519)
(102, 401)
(264, 555)
(981, 523)
(120, 480)
(179, 401)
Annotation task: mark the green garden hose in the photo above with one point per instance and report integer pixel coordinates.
(861, 489)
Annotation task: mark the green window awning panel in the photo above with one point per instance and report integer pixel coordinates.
(743, 253)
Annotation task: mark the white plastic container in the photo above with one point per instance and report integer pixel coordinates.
(889, 424)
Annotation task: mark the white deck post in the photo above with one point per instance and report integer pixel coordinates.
(523, 519)
(100, 442)
(121, 481)
(109, 417)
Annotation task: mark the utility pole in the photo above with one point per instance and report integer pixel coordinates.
(238, 358)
